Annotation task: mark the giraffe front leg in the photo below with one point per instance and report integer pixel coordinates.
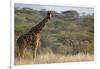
(39, 48)
(34, 52)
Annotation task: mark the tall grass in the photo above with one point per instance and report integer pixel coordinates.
(54, 58)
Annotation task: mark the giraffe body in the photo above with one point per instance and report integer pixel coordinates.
(31, 38)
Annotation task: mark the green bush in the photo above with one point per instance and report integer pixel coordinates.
(60, 35)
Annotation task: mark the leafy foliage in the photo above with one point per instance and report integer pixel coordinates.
(61, 35)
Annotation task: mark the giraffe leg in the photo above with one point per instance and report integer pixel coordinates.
(21, 53)
(18, 53)
(39, 48)
(34, 52)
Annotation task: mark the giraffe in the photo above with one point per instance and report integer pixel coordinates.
(31, 38)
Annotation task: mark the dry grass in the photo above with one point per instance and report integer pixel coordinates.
(52, 58)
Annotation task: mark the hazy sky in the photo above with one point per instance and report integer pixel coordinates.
(86, 10)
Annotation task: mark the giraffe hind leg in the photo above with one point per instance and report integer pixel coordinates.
(21, 53)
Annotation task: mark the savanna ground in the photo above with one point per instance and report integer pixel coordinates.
(67, 37)
(55, 58)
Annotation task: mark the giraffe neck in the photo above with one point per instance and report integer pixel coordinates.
(38, 28)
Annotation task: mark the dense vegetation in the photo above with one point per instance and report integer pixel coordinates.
(66, 32)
